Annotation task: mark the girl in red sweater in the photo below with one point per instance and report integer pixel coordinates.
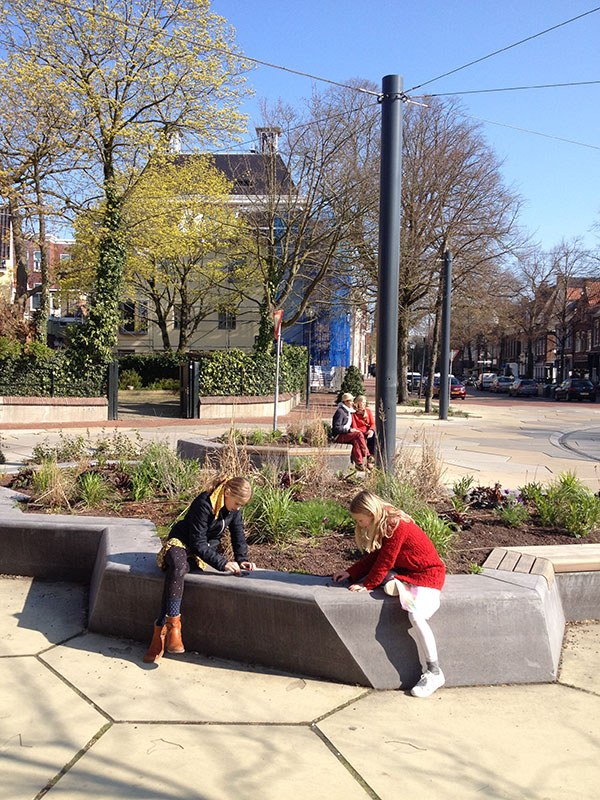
(393, 541)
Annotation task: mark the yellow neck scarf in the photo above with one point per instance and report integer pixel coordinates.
(217, 498)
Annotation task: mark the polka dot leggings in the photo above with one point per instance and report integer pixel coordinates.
(177, 568)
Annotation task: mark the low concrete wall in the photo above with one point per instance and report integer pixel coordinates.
(202, 449)
(244, 407)
(53, 409)
(496, 627)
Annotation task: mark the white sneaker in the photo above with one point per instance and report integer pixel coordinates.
(428, 683)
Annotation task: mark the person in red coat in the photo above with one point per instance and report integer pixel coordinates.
(394, 542)
(364, 422)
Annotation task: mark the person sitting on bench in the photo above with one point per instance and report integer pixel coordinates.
(345, 432)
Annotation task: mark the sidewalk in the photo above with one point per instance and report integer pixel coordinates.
(84, 717)
(83, 713)
(511, 442)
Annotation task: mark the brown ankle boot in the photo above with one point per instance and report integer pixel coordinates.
(157, 645)
(174, 642)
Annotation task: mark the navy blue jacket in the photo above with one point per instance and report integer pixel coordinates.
(201, 532)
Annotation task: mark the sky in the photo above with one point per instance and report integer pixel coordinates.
(422, 39)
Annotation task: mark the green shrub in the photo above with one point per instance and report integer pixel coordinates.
(161, 471)
(569, 505)
(269, 515)
(513, 514)
(9, 348)
(439, 530)
(68, 448)
(316, 517)
(39, 351)
(129, 377)
(352, 383)
(165, 385)
(92, 488)
(461, 487)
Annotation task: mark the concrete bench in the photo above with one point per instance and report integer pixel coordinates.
(576, 568)
(496, 627)
(202, 449)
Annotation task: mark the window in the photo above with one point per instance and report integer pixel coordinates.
(178, 318)
(134, 317)
(65, 256)
(37, 260)
(36, 299)
(227, 321)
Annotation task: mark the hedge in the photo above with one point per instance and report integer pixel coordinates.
(50, 376)
(225, 372)
(222, 373)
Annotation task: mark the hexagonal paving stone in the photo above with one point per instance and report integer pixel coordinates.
(580, 665)
(43, 724)
(209, 762)
(535, 742)
(189, 687)
(35, 614)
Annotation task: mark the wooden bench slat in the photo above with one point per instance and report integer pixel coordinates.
(495, 558)
(525, 563)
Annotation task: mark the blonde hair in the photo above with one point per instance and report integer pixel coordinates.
(362, 399)
(240, 488)
(384, 520)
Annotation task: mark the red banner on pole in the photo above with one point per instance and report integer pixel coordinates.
(277, 317)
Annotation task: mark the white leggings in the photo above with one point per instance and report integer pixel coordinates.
(423, 636)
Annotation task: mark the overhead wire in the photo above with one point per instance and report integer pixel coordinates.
(527, 130)
(504, 49)
(515, 88)
(404, 96)
(214, 47)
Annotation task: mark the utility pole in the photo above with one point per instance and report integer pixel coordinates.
(389, 266)
(445, 343)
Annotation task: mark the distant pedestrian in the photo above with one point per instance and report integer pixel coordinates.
(364, 422)
(403, 558)
(345, 431)
(194, 541)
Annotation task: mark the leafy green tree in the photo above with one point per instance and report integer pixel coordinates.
(135, 76)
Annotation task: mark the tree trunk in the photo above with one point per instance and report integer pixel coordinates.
(21, 294)
(403, 331)
(435, 341)
(43, 312)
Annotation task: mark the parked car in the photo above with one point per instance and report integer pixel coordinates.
(576, 389)
(523, 387)
(501, 383)
(457, 389)
(413, 381)
(485, 380)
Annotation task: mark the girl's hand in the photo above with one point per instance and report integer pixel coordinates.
(341, 576)
(248, 565)
(357, 587)
(232, 566)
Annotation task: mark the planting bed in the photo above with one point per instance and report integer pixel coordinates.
(324, 554)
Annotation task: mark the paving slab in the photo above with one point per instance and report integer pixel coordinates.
(222, 762)
(580, 665)
(43, 725)
(35, 614)
(189, 687)
(537, 742)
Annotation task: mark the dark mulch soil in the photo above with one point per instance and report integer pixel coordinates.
(334, 551)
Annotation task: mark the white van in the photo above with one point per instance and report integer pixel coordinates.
(485, 380)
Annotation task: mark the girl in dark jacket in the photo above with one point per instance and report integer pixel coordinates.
(195, 540)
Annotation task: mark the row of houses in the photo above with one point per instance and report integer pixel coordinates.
(563, 342)
(336, 335)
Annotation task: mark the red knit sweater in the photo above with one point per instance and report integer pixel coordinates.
(410, 552)
(363, 420)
